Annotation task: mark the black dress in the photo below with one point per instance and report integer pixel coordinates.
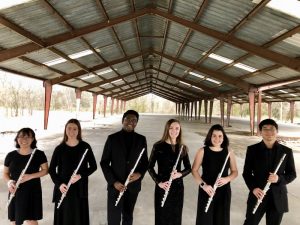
(165, 156)
(219, 209)
(74, 209)
(27, 203)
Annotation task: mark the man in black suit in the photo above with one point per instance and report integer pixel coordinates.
(120, 154)
(260, 163)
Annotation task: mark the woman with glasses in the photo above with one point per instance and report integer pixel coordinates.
(26, 199)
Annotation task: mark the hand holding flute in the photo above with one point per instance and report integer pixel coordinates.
(130, 178)
(217, 183)
(14, 187)
(75, 177)
(267, 186)
(167, 185)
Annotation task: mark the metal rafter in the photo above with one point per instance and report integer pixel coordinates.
(230, 39)
(188, 34)
(220, 76)
(103, 10)
(56, 39)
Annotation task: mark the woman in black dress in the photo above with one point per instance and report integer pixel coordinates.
(26, 206)
(74, 210)
(211, 158)
(165, 152)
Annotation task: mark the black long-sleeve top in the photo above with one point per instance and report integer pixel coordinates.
(65, 160)
(166, 157)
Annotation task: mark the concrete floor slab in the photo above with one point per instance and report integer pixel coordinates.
(95, 132)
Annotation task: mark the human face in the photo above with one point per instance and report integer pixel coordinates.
(24, 140)
(217, 138)
(269, 133)
(72, 131)
(174, 131)
(130, 122)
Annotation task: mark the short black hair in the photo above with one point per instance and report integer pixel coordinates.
(267, 122)
(130, 112)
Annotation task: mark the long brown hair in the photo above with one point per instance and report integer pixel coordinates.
(166, 134)
(77, 123)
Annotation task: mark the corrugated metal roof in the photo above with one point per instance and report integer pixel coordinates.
(159, 40)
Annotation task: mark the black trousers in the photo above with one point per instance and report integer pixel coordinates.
(273, 217)
(124, 210)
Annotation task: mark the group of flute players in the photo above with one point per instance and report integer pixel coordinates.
(268, 168)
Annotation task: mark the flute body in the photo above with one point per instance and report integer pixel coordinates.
(128, 177)
(215, 184)
(12, 195)
(70, 180)
(170, 179)
(268, 184)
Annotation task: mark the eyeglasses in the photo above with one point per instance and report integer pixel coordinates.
(131, 120)
(273, 129)
(24, 137)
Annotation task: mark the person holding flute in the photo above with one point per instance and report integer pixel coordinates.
(170, 154)
(214, 196)
(269, 167)
(25, 191)
(124, 151)
(74, 209)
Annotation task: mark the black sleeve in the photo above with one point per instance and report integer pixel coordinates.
(106, 161)
(152, 162)
(53, 167)
(91, 161)
(248, 170)
(186, 163)
(143, 164)
(289, 170)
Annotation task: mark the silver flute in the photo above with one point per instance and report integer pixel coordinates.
(63, 195)
(128, 177)
(170, 179)
(267, 186)
(12, 195)
(216, 184)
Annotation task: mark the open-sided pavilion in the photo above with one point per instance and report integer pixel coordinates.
(186, 51)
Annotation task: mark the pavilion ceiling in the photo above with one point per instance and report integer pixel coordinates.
(181, 50)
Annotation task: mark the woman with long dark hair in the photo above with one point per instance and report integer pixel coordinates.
(26, 206)
(75, 207)
(212, 158)
(165, 153)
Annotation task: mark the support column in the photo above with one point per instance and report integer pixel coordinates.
(195, 112)
(192, 109)
(241, 110)
(188, 110)
(48, 93)
(211, 106)
(222, 110)
(229, 104)
(112, 106)
(78, 98)
(269, 110)
(121, 106)
(117, 110)
(104, 105)
(124, 106)
(258, 112)
(199, 113)
(205, 109)
(94, 104)
(292, 110)
(251, 96)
